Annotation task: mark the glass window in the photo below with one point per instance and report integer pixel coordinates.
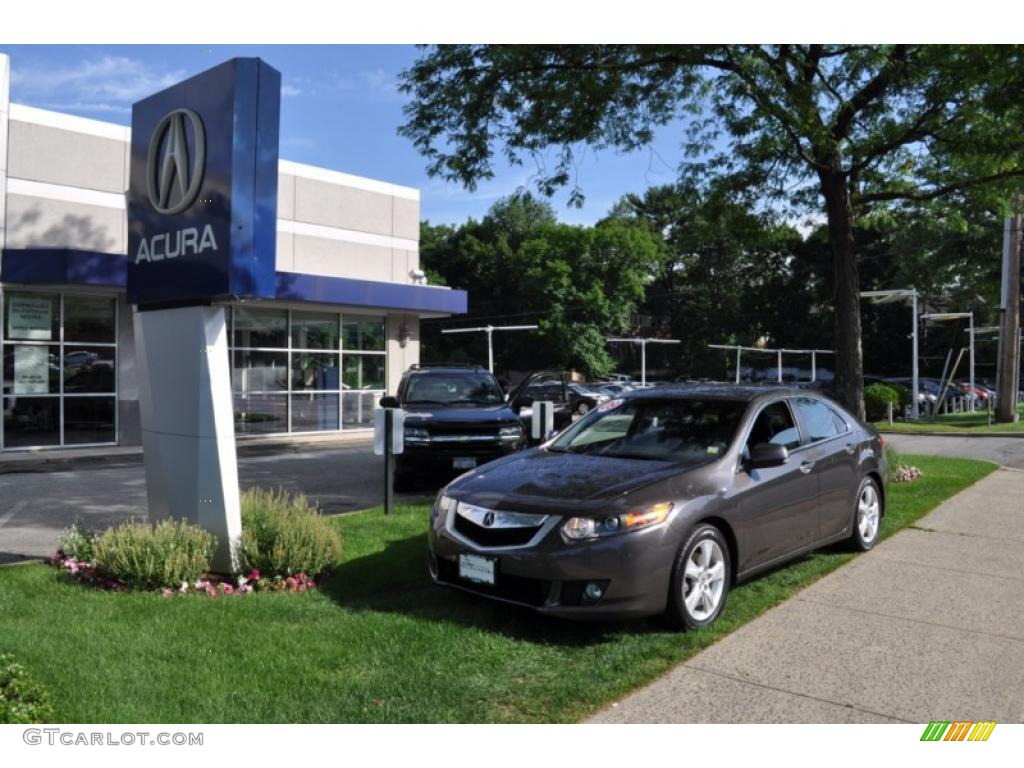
(775, 425)
(258, 371)
(682, 430)
(314, 370)
(357, 409)
(32, 316)
(31, 369)
(88, 420)
(89, 318)
(314, 330)
(31, 421)
(841, 424)
(314, 412)
(88, 369)
(363, 371)
(260, 327)
(365, 334)
(817, 419)
(261, 414)
(446, 388)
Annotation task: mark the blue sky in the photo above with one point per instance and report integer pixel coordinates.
(340, 109)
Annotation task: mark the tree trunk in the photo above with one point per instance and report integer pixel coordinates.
(849, 359)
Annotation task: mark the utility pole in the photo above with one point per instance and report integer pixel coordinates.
(1009, 321)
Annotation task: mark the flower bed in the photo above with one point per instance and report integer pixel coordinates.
(211, 586)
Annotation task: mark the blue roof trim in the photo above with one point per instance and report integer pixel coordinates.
(67, 266)
(296, 286)
(63, 266)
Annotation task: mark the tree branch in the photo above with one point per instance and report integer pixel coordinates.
(937, 192)
(871, 90)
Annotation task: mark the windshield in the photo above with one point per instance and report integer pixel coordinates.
(469, 388)
(661, 430)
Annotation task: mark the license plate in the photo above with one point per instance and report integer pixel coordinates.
(476, 568)
(464, 462)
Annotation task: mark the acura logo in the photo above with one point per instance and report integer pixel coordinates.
(173, 179)
(489, 519)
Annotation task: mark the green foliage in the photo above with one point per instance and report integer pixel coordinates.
(149, 557)
(520, 266)
(876, 400)
(902, 394)
(284, 535)
(78, 542)
(23, 701)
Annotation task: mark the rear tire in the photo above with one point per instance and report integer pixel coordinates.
(867, 516)
(700, 580)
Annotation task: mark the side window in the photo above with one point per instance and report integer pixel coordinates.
(817, 418)
(774, 425)
(841, 424)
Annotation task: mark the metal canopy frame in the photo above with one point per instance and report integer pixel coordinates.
(895, 296)
(643, 342)
(779, 353)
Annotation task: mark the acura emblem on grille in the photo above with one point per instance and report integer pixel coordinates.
(489, 519)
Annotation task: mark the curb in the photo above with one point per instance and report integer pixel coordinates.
(1012, 435)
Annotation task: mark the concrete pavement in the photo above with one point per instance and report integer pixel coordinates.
(927, 626)
(39, 499)
(1008, 451)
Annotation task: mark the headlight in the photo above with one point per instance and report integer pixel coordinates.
(443, 505)
(510, 434)
(580, 528)
(416, 435)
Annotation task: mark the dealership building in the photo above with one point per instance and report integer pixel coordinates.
(341, 329)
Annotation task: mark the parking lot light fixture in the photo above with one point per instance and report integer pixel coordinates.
(899, 295)
(643, 342)
(939, 316)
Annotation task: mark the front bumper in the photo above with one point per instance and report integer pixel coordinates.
(441, 456)
(550, 576)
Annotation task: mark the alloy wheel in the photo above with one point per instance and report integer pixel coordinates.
(704, 579)
(868, 509)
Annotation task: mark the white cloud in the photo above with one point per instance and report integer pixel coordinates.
(287, 89)
(106, 84)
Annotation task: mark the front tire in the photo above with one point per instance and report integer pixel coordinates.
(700, 580)
(867, 516)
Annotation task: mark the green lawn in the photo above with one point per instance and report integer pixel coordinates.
(954, 422)
(380, 644)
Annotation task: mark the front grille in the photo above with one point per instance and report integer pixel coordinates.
(494, 537)
(518, 589)
(444, 431)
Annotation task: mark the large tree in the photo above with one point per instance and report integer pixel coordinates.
(839, 128)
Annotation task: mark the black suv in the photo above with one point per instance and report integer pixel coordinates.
(455, 419)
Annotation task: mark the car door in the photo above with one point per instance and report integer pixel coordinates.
(778, 505)
(832, 450)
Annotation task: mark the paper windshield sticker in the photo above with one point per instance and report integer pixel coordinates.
(611, 405)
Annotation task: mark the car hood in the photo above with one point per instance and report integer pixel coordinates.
(422, 415)
(539, 480)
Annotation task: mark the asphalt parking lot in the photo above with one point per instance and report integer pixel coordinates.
(37, 501)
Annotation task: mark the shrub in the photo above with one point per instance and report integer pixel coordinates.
(22, 700)
(285, 535)
(876, 398)
(78, 543)
(903, 393)
(163, 555)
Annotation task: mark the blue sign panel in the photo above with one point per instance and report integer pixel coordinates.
(202, 198)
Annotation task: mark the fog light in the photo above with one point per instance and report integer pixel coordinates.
(594, 591)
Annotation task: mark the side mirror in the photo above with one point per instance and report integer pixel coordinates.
(389, 402)
(768, 455)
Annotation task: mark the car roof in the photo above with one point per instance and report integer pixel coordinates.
(740, 392)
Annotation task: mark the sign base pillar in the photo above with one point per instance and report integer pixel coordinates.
(188, 433)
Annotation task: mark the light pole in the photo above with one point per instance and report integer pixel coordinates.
(959, 316)
(889, 297)
(489, 330)
(643, 342)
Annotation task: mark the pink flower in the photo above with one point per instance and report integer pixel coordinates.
(168, 592)
(226, 589)
(211, 590)
(254, 575)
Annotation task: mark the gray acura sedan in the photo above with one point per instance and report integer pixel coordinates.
(657, 502)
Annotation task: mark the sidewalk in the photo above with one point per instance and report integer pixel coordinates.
(927, 626)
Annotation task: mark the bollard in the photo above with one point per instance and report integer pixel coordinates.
(889, 410)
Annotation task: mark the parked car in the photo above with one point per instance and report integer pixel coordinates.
(550, 386)
(659, 502)
(455, 419)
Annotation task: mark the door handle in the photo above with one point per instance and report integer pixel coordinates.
(850, 448)
(806, 467)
